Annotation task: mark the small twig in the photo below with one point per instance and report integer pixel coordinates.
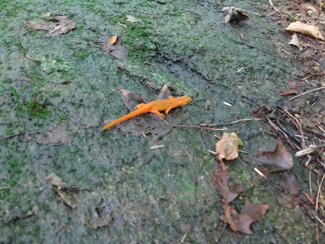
(319, 220)
(183, 239)
(304, 93)
(15, 218)
(317, 234)
(310, 187)
(309, 198)
(270, 1)
(308, 161)
(31, 58)
(122, 25)
(207, 126)
(280, 130)
(25, 79)
(319, 127)
(197, 127)
(241, 120)
(222, 231)
(157, 147)
(3, 188)
(318, 192)
(29, 133)
(299, 127)
(308, 150)
(53, 63)
(95, 46)
(260, 173)
(233, 122)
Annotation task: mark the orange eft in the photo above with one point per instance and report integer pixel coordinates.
(153, 107)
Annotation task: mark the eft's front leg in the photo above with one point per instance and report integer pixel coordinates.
(157, 112)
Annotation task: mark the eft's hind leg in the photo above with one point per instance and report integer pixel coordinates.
(141, 105)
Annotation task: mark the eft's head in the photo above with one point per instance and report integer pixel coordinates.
(186, 100)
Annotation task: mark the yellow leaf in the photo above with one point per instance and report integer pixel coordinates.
(305, 29)
(112, 40)
(227, 147)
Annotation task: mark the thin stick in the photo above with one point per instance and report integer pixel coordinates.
(317, 234)
(310, 188)
(280, 130)
(29, 133)
(196, 127)
(270, 1)
(299, 127)
(53, 63)
(316, 89)
(3, 188)
(223, 230)
(183, 239)
(241, 120)
(319, 127)
(318, 192)
(319, 220)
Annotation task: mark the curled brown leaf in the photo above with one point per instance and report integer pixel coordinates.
(227, 147)
(307, 29)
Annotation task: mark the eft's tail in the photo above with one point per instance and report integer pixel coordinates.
(126, 117)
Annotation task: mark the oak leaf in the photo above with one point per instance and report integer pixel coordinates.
(220, 183)
(241, 222)
(227, 147)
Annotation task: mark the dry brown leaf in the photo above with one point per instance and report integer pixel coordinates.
(234, 17)
(112, 40)
(116, 49)
(289, 185)
(294, 41)
(220, 183)
(64, 190)
(305, 29)
(63, 27)
(56, 136)
(39, 26)
(242, 222)
(93, 209)
(132, 19)
(288, 202)
(227, 147)
(278, 160)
